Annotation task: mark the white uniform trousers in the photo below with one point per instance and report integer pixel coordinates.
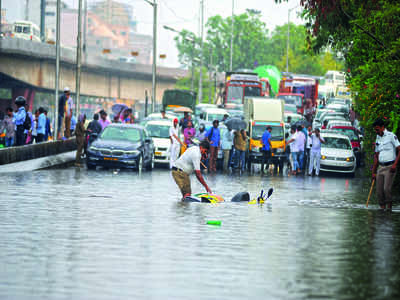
(315, 160)
(174, 153)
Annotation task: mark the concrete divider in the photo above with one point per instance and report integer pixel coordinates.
(27, 152)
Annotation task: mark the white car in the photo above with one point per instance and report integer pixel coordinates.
(211, 114)
(159, 132)
(332, 123)
(337, 153)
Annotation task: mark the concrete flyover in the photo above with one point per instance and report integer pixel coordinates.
(27, 66)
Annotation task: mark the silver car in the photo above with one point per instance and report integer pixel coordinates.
(337, 153)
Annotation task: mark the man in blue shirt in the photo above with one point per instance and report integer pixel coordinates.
(19, 119)
(214, 137)
(41, 127)
(266, 148)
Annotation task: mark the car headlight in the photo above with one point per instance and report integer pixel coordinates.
(323, 157)
(132, 152)
(94, 149)
(350, 159)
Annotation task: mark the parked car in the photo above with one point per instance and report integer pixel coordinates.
(334, 123)
(157, 116)
(158, 130)
(122, 146)
(337, 153)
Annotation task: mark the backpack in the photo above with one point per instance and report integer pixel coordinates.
(28, 122)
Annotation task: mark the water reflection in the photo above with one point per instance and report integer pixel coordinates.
(82, 234)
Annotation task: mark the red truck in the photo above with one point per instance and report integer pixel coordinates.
(239, 85)
(296, 89)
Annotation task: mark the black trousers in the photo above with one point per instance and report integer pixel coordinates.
(20, 136)
(266, 158)
(40, 138)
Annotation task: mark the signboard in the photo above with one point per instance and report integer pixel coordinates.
(244, 77)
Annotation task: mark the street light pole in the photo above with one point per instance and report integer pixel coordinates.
(200, 98)
(57, 79)
(78, 59)
(193, 41)
(232, 27)
(288, 37)
(154, 72)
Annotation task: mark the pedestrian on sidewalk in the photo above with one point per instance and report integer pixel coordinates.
(8, 125)
(266, 148)
(176, 143)
(239, 143)
(18, 120)
(226, 146)
(385, 163)
(48, 127)
(41, 125)
(69, 106)
(62, 100)
(214, 138)
(28, 131)
(73, 125)
(315, 158)
(188, 163)
(80, 139)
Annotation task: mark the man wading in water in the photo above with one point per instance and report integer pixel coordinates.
(186, 164)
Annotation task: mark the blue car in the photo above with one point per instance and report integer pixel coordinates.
(122, 146)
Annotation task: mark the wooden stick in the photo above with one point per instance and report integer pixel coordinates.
(203, 165)
(370, 191)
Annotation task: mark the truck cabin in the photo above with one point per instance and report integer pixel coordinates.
(241, 85)
(294, 99)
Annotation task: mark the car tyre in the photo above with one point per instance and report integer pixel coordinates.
(140, 163)
(150, 166)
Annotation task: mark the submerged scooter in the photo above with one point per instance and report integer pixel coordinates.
(239, 197)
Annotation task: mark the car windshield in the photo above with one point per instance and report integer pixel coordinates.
(121, 134)
(337, 143)
(212, 117)
(235, 94)
(252, 91)
(349, 132)
(27, 29)
(276, 133)
(291, 108)
(158, 131)
(291, 99)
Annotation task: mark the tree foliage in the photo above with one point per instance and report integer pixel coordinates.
(253, 45)
(367, 34)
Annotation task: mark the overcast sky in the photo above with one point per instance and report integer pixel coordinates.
(184, 14)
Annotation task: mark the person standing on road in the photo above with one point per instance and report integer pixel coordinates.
(61, 112)
(214, 138)
(239, 143)
(308, 148)
(266, 148)
(9, 127)
(189, 133)
(94, 129)
(80, 138)
(18, 120)
(315, 158)
(176, 143)
(226, 145)
(186, 164)
(104, 122)
(385, 157)
(201, 134)
(298, 147)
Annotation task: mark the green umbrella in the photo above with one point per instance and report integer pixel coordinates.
(273, 75)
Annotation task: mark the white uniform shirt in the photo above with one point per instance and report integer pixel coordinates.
(190, 160)
(316, 143)
(386, 146)
(309, 141)
(173, 131)
(300, 141)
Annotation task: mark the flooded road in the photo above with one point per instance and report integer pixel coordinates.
(78, 234)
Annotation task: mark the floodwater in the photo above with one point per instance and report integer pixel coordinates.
(78, 234)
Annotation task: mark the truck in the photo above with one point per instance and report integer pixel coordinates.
(179, 98)
(259, 113)
(296, 89)
(238, 85)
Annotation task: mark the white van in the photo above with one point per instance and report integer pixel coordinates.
(26, 30)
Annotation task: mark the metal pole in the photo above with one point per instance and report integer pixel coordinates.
(209, 78)
(232, 25)
(78, 59)
(192, 83)
(146, 102)
(153, 93)
(287, 43)
(200, 99)
(57, 79)
(42, 20)
(84, 28)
